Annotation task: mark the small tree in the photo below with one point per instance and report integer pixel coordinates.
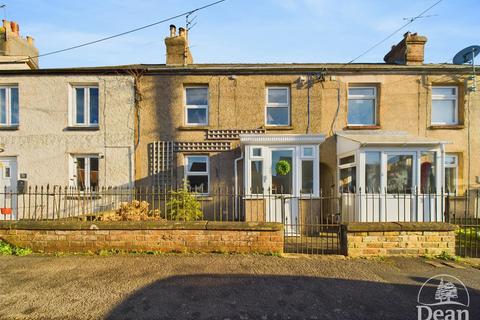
(183, 204)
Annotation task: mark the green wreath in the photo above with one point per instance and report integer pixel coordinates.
(282, 167)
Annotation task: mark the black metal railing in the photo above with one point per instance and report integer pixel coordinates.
(311, 222)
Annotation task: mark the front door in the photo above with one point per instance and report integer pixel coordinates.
(282, 206)
(8, 186)
(400, 199)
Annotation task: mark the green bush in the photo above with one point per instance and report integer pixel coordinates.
(10, 250)
(183, 205)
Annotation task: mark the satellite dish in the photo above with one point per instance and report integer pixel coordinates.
(466, 55)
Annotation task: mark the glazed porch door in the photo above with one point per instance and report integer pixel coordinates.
(400, 186)
(282, 206)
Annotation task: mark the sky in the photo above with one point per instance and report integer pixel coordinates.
(243, 31)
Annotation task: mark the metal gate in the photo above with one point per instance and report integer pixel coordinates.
(316, 227)
(464, 211)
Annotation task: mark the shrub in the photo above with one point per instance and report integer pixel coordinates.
(133, 211)
(11, 250)
(183, 205)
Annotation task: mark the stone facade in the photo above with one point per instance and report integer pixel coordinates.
(390, 239)
(237, 99)
(201, 236)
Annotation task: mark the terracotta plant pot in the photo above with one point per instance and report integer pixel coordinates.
(6, 210)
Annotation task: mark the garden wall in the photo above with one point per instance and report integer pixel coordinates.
(165, 236)
(398, 238)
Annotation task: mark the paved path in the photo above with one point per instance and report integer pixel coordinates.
(217, 287)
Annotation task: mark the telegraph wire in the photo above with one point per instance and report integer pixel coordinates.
(125, 32)
(411, 20)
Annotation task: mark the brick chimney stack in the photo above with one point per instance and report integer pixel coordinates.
(178, 52)
(409, 51)
(16, 52)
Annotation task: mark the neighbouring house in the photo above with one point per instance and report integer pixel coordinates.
(389, 136)
(62, 127)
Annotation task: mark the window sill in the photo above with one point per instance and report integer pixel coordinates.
(278, 128)
(446, 127)
(193, 128)
(9, 128)
(203, 197)
(360, 127)
(82, 128)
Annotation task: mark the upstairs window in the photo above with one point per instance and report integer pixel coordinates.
(85, 106)
(444, 105)
(197, 173)
(196, 106)
(278, 106)
(86, 172)
(9, 106)
(362, 105)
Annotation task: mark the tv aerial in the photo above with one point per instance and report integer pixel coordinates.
(468, 55)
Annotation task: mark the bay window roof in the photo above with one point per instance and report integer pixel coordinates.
(285, 139)
(388, 138)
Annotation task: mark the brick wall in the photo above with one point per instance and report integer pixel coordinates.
(156, 236)
(392, 238)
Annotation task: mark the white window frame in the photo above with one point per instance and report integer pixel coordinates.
(187, 172)
(192, 106)
(346, 166)
(314, 159)
(455, 165)
(8, 105)
(296, 167)
(277, 105)
(86, 106)
(443, 97)
(363, 97)
(74, 178)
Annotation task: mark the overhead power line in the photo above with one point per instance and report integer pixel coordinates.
(127, 32)
(410, 20)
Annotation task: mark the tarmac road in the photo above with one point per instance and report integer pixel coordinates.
(218, 286)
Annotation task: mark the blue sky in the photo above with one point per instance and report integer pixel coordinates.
(243, 30)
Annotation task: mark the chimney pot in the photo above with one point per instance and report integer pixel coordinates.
(173, 30)
(14, 27)
(181, 32)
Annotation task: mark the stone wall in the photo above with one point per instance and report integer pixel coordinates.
(398, 238)
(199, 236)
